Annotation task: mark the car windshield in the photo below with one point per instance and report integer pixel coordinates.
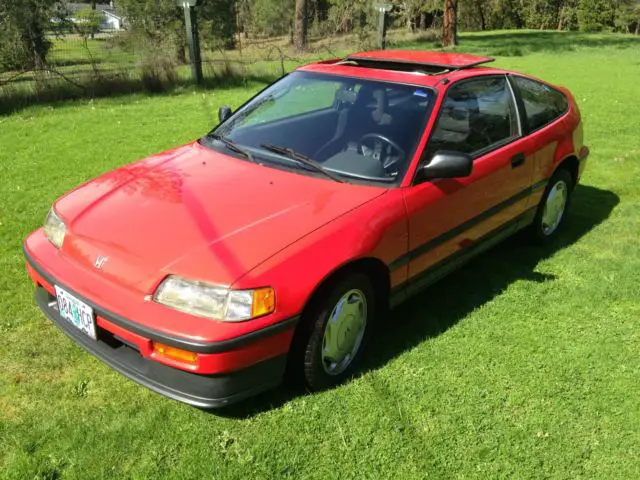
(357, 129)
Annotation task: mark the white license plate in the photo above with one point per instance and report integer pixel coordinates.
(76, 312)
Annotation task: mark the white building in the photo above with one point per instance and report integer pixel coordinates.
(112, 19)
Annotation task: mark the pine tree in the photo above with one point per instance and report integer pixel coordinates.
(450, 26)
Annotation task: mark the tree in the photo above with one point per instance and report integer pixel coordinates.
(158, 23)
(416, 13)
(450, 26)
(23, 40)
(352, 15)
(475, 14)
(319, 10)
(480, 8)
(510, 14)
(541, 14)
(301, 24)
(627, 16)
(266, 17)
(219, 22)
(595, 15)
(153, 17)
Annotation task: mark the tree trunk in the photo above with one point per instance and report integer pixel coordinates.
(300, 28)
(561, 19)
(483, 20)
(638, 26)
(33, 37)
(450, 25)
(423, 21)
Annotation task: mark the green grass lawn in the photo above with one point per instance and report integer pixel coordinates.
(523, 364)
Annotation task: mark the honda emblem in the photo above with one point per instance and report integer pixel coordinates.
(101, 261)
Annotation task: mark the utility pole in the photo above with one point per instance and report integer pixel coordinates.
(383, 9)
(193, 38)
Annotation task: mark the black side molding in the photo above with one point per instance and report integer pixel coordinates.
(454, 232)
(436, 272)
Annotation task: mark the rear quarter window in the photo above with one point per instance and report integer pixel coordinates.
(542, 104)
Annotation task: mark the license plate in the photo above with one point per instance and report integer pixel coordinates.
(76, 312)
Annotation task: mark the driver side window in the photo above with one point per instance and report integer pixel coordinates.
(475, 116)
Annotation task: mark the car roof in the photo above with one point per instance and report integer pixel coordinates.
(416, 67)
(422, 57)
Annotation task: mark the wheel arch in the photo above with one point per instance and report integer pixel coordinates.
(380, 277)
(375, 269)
(572, 165)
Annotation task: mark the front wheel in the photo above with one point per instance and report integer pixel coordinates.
(552, 210)
(336, 328)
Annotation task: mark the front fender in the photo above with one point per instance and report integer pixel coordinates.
(377, 229)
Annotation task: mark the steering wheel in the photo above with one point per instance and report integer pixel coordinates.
(384, 149)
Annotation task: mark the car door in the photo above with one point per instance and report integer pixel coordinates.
(450, 219)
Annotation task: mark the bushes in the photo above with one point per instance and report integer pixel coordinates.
(13, 54)
(595, 15)
(157, 73)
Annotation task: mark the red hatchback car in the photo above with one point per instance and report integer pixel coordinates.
(275, 242)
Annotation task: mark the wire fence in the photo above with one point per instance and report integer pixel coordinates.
(114, 61)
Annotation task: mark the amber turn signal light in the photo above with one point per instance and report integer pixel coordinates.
(175, 354)
(264, 302)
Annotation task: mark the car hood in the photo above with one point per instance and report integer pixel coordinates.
(197, 213)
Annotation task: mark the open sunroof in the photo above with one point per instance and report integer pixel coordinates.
(412, 60)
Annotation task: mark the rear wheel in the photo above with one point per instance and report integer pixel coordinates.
(552, 210)
(335, 330)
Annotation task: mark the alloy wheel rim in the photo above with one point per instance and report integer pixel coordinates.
(344, 332)
(554, 207)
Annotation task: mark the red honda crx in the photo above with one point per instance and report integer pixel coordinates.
(274, 243)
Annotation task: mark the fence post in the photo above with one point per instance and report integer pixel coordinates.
(193, 38)
(383, 9)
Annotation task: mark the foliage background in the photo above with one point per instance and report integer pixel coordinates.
(27, 26)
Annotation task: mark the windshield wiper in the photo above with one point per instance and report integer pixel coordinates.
(231, 145)
(293, 155)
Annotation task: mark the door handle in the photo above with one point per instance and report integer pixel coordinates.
(518, 160)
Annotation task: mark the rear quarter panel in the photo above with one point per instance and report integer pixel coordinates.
(556, 142)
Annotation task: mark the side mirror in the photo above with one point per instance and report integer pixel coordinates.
(445, 164)
(224, 113)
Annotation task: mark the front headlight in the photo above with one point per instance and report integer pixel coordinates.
(54, 228)
(210, 301)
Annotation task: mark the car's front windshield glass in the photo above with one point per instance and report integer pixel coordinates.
(359, 129)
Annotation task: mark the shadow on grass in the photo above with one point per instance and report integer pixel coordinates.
(76, 62)
(15, 99)
(449, 301)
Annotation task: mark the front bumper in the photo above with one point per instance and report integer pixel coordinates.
(227, 371)
(204, 391)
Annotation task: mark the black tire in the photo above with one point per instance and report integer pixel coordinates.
(306, 360)
(538, 231)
